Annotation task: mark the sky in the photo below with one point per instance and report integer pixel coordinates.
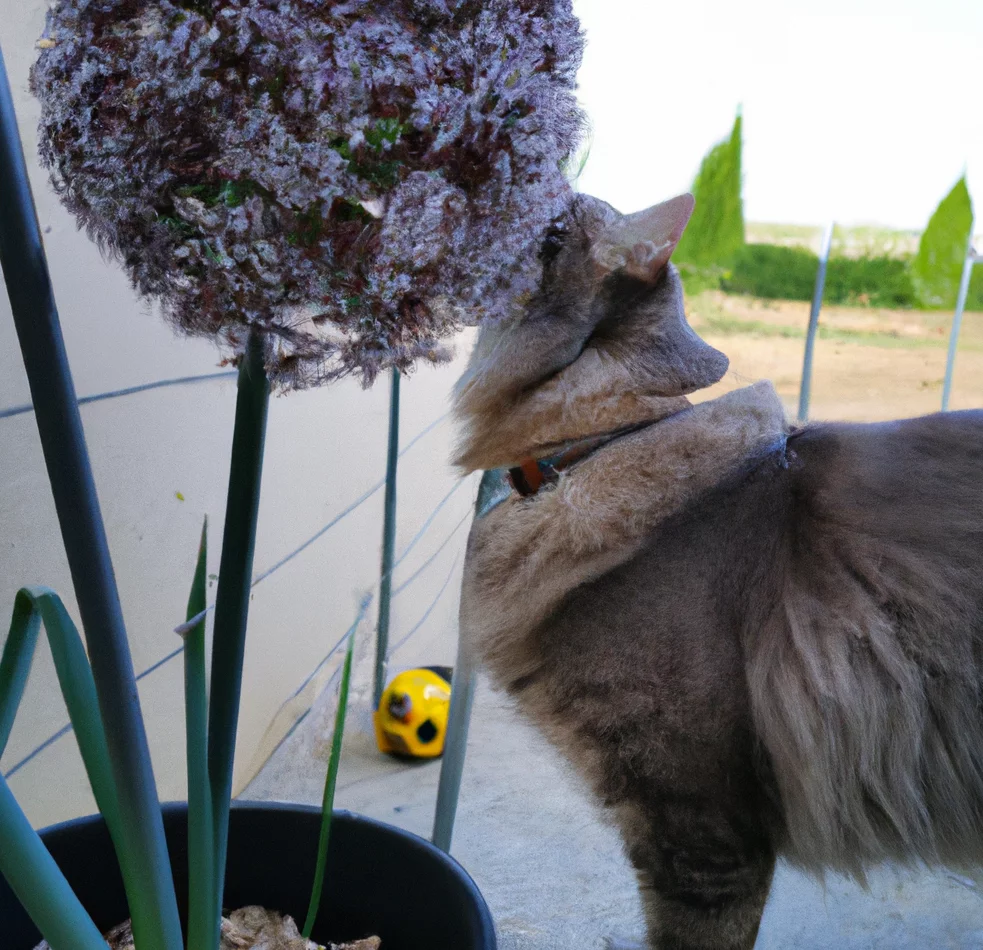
(858, 111)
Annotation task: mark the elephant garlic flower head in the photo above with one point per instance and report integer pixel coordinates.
(354, 178)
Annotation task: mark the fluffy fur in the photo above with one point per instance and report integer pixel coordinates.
(752, 640)
(601, 514)
(864, 666)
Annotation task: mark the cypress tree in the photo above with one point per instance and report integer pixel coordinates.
(716, 231)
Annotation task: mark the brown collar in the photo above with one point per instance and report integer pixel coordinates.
(531, 474)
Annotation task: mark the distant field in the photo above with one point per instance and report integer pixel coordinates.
(853, 241)
(871, 363)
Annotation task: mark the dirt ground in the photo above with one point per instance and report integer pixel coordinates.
(870, 363)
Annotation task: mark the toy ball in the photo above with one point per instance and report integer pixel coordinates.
(411, 719)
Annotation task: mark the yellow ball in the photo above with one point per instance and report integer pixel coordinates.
(412, 716)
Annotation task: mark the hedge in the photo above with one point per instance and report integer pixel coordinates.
(789, 273)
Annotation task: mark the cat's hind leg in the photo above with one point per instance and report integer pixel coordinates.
(704, 877)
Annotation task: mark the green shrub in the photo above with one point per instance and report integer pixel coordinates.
(716, 231)
(697, 279)
(767, 270)
(975, 301)
(938, 265)
(877, 281)
(789, 273)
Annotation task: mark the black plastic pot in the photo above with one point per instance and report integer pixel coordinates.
(380, 880)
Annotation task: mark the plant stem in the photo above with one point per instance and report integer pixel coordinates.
(388, 544)
(39, 884)
(202, 909)
(150, 892)
(232, 598)
(331, 779)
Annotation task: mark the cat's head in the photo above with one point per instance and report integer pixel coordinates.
(613, 273)
(602, 343)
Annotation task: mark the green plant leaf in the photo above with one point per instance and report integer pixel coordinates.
(24, 860)
(573, 165)
(789, 273)
(327, 805)
(39, 884)
(204, 911)
(32, 606)
(15, 664)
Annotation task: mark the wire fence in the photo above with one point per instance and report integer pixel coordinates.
(12, 411)
(420, 572)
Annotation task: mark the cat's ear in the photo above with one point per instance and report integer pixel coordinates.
(640, 244)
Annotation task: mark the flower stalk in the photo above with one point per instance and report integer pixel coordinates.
(232, 598)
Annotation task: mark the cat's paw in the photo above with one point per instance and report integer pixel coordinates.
(616, 943)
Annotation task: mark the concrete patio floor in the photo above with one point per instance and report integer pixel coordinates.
(554, 874)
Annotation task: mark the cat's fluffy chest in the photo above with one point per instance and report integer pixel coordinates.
(526, 554)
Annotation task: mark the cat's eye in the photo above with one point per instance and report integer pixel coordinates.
(552, 244)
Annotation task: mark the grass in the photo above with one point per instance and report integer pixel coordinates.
(716, 313)
(729, 326)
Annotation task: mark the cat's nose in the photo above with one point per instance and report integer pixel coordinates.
(692, 364)
(709, 369)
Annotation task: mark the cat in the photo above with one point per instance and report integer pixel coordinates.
(754, 639)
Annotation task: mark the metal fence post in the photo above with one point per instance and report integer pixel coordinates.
(388, 544)
(957, 320)
(455, 745)
(817, 303)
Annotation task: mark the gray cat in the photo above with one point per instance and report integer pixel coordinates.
(753, 639)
